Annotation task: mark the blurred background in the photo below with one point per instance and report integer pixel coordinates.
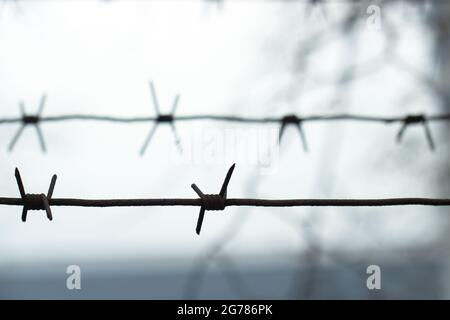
(261, 58)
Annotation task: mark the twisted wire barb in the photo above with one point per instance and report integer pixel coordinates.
(205, 202)
(162, 118)
(35, 201)
(28, 119)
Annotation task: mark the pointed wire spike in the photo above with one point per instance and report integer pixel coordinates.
(175, 104)
(148, 139)
(20, 183)
(24, 214)
(282, 128)
(223, 190)
(42, 104)
(201, 216)
(52, 186)
(302, 137)
(197, 190)
(47, 207)
(41, 138)
(154, 97)
(429, 136)
(401, 132)
(15, 138)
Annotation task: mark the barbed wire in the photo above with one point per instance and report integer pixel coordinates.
(27, 119)
(306, 281)
(206, 202)
(46, 202)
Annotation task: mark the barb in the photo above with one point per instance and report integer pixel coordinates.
(205, 202)
(35, 201)
(162, 118)
(293, 120)
(417, 119)
(212, 201)
(26, 120)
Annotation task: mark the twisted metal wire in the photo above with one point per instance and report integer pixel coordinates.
(216, 202)
(297, 121)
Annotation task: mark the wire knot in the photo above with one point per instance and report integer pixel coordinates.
(291, 119)
(30, 119)
(212, 202)
(416, 118)
(164, 118)
(32, 201)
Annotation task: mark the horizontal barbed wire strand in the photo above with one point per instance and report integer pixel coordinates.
(206, 202)
(196, 202)
(36, 119)
(227, 118)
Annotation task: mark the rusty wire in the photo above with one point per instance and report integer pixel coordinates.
(206, 202)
